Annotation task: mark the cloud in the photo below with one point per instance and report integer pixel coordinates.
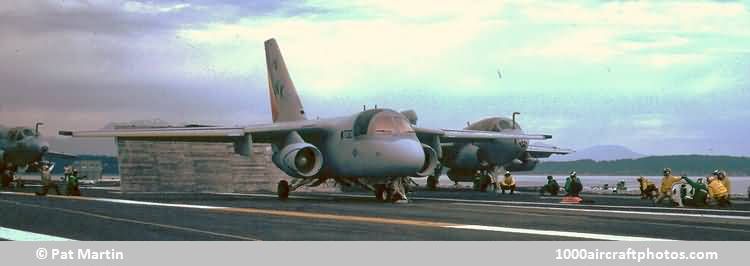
(570, 67)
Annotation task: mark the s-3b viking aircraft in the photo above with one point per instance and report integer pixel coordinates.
(377, 149)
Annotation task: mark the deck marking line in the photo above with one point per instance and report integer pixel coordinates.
(20, 235)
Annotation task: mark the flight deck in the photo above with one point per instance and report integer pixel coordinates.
(446, 214)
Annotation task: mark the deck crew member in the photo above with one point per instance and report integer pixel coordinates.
(508, 183)
(667, 180)
(573, 186)
(722, 175)
(46, 177)
(648, 188)
(699, 193)
(68, 170)
(718, 191)
(71, 188)
(551, 187)
(6, 176)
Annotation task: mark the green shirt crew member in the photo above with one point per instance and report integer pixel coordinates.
(72, 188)
(700, 193)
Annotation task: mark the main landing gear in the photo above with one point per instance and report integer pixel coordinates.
(484, 180)
(433, 180)
(283, 190)
(394, 190)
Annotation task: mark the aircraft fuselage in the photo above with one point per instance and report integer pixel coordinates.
(375, 144)
(20, 147)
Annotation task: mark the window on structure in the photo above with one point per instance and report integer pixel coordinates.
(346, 134)
(382, 125)
(28, 132)
(402, 125)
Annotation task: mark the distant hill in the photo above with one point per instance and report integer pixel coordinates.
(692, 165)
(599, 153)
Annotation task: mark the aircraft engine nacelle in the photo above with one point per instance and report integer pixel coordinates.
(468, 156)
(525, 165)
(299, 160)
(430, 161)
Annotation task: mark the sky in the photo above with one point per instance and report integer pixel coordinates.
(659, 77)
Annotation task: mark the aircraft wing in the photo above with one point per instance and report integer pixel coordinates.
(452, 135)
(543, 151)
(263, 133)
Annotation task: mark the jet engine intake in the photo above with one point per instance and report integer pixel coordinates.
(299, 160)
(469, 156)
(430, 161)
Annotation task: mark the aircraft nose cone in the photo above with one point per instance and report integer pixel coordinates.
(408, 155)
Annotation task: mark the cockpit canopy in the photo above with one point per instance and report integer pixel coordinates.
(17, 134)
(381, 122)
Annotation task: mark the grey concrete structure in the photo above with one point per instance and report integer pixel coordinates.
(91, 169)
(178, 166)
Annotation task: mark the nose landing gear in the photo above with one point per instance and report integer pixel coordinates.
(394, 190)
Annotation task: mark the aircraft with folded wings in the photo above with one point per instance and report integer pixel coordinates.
(21, 148)
(377, 149)
(504, 147)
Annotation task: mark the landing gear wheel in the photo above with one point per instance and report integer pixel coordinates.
(432, 182)
(381, 194)
(394, 197)
(283, 190)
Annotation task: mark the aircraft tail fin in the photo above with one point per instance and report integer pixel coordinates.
(285, 103)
